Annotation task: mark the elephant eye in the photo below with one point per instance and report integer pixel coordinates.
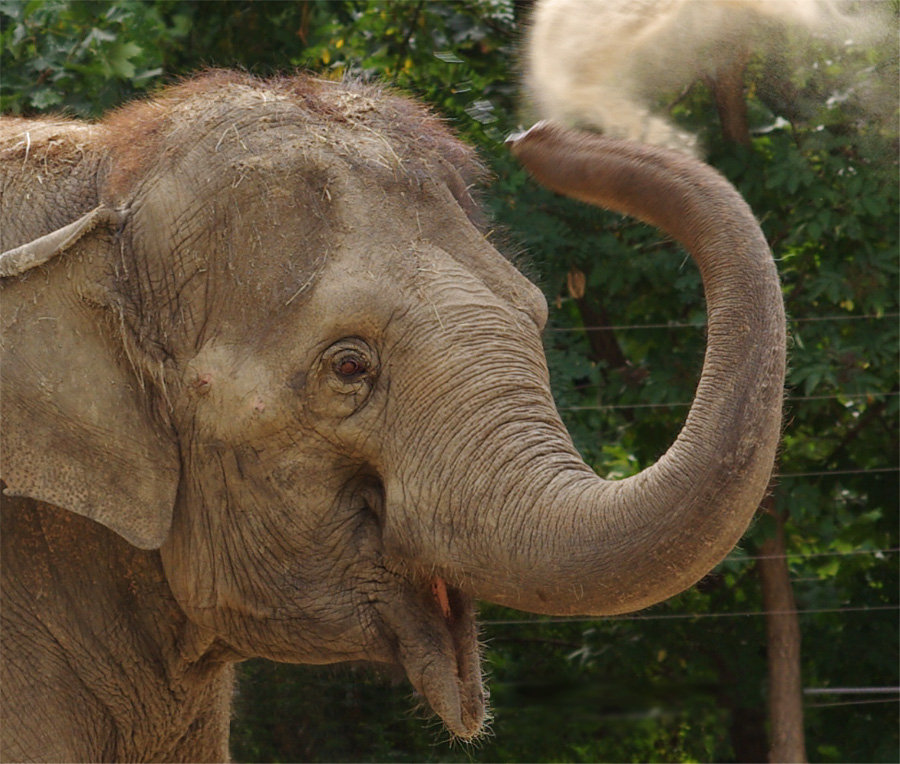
(348, 370)
(350, 366)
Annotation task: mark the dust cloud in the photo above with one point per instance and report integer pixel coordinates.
(604, 64)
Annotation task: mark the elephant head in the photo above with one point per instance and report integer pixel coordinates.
(268, 338)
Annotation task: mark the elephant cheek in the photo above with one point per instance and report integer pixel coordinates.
(230, 399)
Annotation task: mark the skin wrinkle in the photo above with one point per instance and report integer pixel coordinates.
(120, 688)
(167, 290)
(472, 444)
(264, 578)
(233, 561)
(197, 193)
(428, 422)
(42, 718)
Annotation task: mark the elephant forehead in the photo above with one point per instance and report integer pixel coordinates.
(421, 236)
(234, 246)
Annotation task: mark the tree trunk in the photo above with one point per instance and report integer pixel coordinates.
(728, 89)
(783, 645)
(782, 625)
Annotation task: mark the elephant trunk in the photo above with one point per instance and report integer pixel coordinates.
(543, 533)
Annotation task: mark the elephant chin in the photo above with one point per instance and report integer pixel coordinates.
(436, 637)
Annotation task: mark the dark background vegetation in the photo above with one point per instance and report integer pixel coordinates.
(686, 680)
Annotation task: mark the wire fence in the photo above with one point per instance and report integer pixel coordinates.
(852, 691)
(874, 701)
(812, 555)
(843, 397)
(703, 324)
(887, 555)
(869, 395)
(883, 553)
(688, 616)
(824, 473)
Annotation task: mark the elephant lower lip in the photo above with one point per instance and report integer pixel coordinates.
(437, 645)
(457, 695)
(459, 617)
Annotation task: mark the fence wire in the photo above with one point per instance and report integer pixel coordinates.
(703, 324)
(689, 616)
(687, 404)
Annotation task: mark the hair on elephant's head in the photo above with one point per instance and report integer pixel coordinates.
(259, 328)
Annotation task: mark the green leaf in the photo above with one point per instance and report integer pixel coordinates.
(119, 58)
(44, 98)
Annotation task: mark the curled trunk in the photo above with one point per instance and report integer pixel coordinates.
(564, 541)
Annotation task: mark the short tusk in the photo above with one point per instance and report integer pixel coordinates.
(439, 590)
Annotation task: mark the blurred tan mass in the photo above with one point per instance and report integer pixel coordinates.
(601, 63)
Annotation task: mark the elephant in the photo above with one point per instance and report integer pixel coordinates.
(268, 390)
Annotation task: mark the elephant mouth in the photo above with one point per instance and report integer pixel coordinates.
(436, 641)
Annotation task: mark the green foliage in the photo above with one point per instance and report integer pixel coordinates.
(821, 175)
(85, 57)
(444, 53)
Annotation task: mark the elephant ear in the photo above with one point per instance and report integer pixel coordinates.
(77, 430)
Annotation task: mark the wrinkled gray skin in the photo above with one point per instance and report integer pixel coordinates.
(269, 391)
